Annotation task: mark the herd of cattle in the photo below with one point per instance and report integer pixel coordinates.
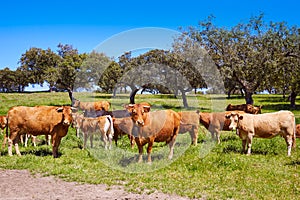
(143, 126)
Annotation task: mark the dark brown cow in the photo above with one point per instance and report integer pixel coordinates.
(298, 131)
(214, 123)
(190, 123)
(150, 127)
(266, 125)
(247, 108)
(39, 120)
(92, 106)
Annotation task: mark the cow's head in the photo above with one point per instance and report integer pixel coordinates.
(138, 112)
(76, 103)
(234, 119)
(66, 114)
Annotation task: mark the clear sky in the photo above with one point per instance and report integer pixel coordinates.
(85, 24)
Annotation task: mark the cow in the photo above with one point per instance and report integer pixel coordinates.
(214, 122)
(247, 108)
(91, 106)
(38, 120)
(150, 127)
(298, 131)
(102, 125)
(123, 126)
(266, 125)
(3, 121)
(189, 122)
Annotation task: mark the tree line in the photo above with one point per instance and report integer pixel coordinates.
(250, 57)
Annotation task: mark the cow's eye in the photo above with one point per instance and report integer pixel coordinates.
(235, 120)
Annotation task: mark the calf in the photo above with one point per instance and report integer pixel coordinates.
(3, 121)
(189, 122)
(266, 125)
(38, 120)
(247, 108)
(123, 126)
(102, 125)
(150, 127)
(214, 123)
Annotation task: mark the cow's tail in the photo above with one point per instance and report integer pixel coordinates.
(6, 134)
(294, 134)
(111, 126)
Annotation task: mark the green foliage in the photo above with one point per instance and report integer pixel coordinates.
(222, 173)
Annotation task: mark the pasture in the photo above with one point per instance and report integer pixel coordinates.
(206, 171)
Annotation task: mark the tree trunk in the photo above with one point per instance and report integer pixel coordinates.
(293, 99)
(132, 95)
(248, 97)
(184, 99)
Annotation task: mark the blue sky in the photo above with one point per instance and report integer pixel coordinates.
(86, 24)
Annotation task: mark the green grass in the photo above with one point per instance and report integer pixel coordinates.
(204, 171)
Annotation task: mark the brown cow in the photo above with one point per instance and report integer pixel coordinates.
(214, 123)
(123, 126)
(92, 106)
(102, 125)
(3, 121)
(298, 131)
(266, 125)
(150, 127)
(190, 123)
(39, 120)
(77, 120)
(247, 108)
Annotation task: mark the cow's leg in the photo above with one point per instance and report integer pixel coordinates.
(218, 137)
(132, 142)
(84, 140)
(55, 144)
(33, 139)
(289, 143)
(140, 147)
(249, 141)
(48, 138)
(26, 139)
(91, 140)
(11, 139)
(194, 135)
(15, 142)
(244, 142)
(149, 150)
(171, 146)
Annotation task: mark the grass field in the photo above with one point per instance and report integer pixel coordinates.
(204, 171)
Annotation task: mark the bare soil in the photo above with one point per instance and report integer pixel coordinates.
(21, 184)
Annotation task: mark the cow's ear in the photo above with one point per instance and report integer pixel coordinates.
(146, 108)
(129, 107)
(59, 109)
(241, 117)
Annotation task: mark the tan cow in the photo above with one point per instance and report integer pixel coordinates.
(190, 123)
(92, 106)
(39, 120)
(214, 123)
(77, 120)
(298, 131)
(150, 127)
(102, 126)
(266, 125)
(247, 108)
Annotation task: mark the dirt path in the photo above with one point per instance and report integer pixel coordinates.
(20, 184)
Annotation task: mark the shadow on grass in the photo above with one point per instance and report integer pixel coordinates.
(294, 163)
(279, 107)
(134, 159)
